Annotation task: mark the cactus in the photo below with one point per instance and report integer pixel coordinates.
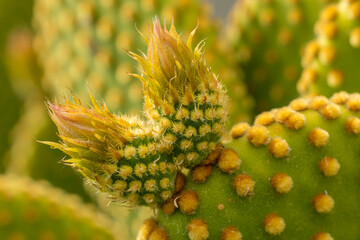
(292, 175)
(267, 37)
(35, 210)
(330, 60)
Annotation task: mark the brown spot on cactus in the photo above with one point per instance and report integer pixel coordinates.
(318, 137)
(322, 236)
(213, 157)
(329, 166)
(239, 130)
(197, 230)
(221, 206)
(188, 201)
(353, 125)
(229, 161)
(279, 148)
(244, 185)
(169, 206)
(200, 173)
(323, 203)
(231, 233)
(179, 182)
(264, 119)
(258, 135)
(282, 183)
(158, 234)
(274, 224)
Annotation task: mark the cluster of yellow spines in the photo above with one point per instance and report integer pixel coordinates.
(182, 95)
(120, 155)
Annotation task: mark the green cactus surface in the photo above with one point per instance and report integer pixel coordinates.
(330, 61)
(266, 38)
(292, 175)
(35, 210)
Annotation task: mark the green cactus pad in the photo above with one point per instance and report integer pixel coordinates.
(293, 175)
(330, 61)
(266, 39)
(35, 210)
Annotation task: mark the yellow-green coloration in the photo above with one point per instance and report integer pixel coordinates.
(303, 186)
(182, 95)
(330, 61)
(34, 210)
(267, 38)
(122, 156)
(83, 42)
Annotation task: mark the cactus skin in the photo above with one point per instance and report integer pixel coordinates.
(267, 38)
(35, 210)
(298, 179)
(330, 60)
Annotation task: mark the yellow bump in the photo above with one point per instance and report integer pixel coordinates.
(149, 198)
(125, 171)
(158, 234)
(244, 185)
(355, 10)
(285, 36)
(169, 207)
(282, 183)
(329, 166)
(295, 121)
(335, 78)
(353, 102)
(323, 203)
(265, 119)
(220, 207)
(299, 104)
(200, 173)
(198, 230)
(129, 152)
(150, 185)
(178, 127)
(318, 137)
(340, 97)
(282, 114)
(258, 135)
(164, 183)
(318, 102)
(152, 168)
(5, 217)
(179, 182)
(231, 233)
(327, 55)
(330, 111)
(186, 144)
(327, 29)
(165, 195)
(274, 224)
(353, 125)
(190, 131)
(134, 186)
(168, 108)
(229, 161)
(146, 228)
(182, 113)
(279, 148)
(213, 157)
(140, 169)
(239, 129)
(295, 16)
(266, 17)
(196, 114)
(188, 202)
(204, 129)
(119, 186)
(322, 236)
(192, 156)
(202, 146)
(329, 13)
(310, 52)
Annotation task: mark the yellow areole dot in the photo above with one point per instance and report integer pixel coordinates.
(231, 233)
(340, 97)
(258, 135)
(322, 236)
(188, 201)
(146, 228)
(318, 137)
(299, 104)
(239, 129)
(335, 78)
(229, 161)
(353, 103)
(279, 148)
(265, 119)
(158, 234)
(274, 224)
(244, 185)
(282, 183)
(197, 229)
(353, 125)
(323, 203)
(295, 121)
(330, 111)
(329, 166)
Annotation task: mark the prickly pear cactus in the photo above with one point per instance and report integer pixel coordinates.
(330, 60)
(292, 175)
(266, 38)
(35, 210)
